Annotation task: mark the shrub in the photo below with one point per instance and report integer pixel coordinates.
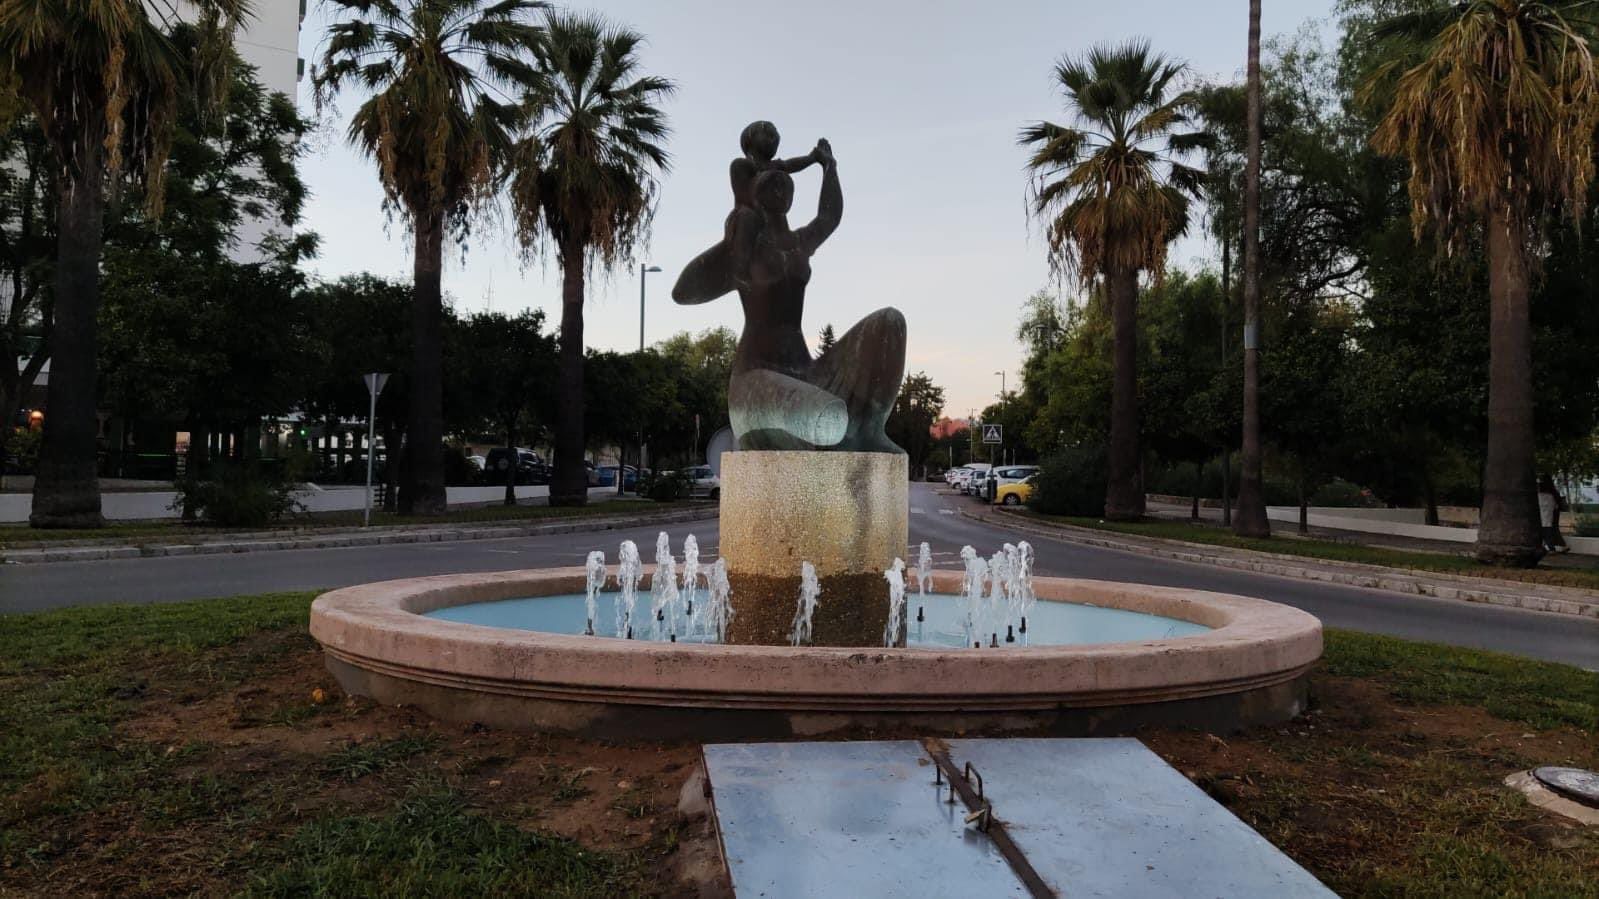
(22, 450)
(667, 487)
(1588, 525)
(233, 495)
(1071, 482)
(458, 469)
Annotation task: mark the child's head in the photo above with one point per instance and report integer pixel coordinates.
(759, 141)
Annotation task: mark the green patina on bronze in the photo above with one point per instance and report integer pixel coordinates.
(779, 397)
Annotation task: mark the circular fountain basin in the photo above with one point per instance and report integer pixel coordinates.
(1173, 656)
(937, 621)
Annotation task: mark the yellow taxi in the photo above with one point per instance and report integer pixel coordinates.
(1014, 494)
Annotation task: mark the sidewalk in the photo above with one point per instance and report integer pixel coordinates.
(1208, 515)
(1514, 594)
(341, 537)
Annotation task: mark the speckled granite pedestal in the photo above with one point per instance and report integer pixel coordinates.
(848, 514)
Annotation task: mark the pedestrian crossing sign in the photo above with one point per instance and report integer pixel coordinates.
(993, 433)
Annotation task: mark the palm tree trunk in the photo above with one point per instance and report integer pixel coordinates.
(569, 486)
(423, 491)
(1509, 532)
(1226, 302)
(1124, 490)
(66, 491)
(1251, 519)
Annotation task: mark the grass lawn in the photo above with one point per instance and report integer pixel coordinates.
(17, 537)
(183, 749)
(1330, 550)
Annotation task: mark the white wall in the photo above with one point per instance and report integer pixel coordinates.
(14, 507)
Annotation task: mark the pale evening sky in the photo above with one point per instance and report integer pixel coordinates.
(921, 100)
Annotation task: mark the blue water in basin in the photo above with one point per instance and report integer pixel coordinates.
(1049, 624)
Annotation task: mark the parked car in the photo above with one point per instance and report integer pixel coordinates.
(1016, 493)
(529, 467)
(607, 474)
(702, 481)
(962, 477)
(982, 483)
(480, 461)
(1008, 474)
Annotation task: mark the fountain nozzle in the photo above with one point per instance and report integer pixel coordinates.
(993, 641)
(921, 614)
(630, 632)
(589, 630)
(1010, 634)
(673, 637)
(1024, 624)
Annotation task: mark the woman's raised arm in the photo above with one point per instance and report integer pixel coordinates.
(830, 208)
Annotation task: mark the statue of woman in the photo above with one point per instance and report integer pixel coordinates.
(779, 397)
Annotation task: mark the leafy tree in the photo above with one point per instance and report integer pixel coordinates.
(104, 83)
(217, 344)
(584, 185)
(361, 325)
(910, 423)
(1497, 122)
(503, 364)
(439, 128)
(827, 339)
(1112, 194)
(27, 243)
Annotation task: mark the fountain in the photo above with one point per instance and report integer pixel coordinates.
(794, 633)
(595, 572)
(810, 591)
(896, 602)
(629, 571)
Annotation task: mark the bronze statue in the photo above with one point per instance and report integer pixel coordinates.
(779, 397)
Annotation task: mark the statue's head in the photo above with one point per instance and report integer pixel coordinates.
(759, 141)
(774, 192)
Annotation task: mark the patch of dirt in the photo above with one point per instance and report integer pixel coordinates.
(1347, 790)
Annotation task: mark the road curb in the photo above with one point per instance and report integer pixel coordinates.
(355, 539)
(1558, 600)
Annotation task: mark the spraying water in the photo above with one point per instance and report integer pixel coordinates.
(924, 570)
(691, 579)
(718, 601)
(595, 569)
(629, 571)
(972, 589)
(895, 576)
(663, 590)
(998, 599)
(810, 592)
(1024, 582)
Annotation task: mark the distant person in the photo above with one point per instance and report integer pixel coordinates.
(1550, 505)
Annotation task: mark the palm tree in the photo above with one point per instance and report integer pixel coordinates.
(104, 83)
(1251, 520)
(442, 76)
(1112, 194)
(583, 184)
(1497, 121)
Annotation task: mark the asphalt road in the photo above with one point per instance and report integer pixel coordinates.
(934, 519)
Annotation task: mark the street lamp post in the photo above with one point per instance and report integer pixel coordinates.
(1002, 403)
(644, 272)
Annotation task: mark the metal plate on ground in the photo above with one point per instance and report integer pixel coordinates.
(1573, 783)
(846, 819)
(1110, 818)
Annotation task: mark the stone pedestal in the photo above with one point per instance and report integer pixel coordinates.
(848, 514)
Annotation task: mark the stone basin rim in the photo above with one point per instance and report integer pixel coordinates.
(380, 627)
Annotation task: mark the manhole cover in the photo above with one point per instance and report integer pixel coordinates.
(1572, 783)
